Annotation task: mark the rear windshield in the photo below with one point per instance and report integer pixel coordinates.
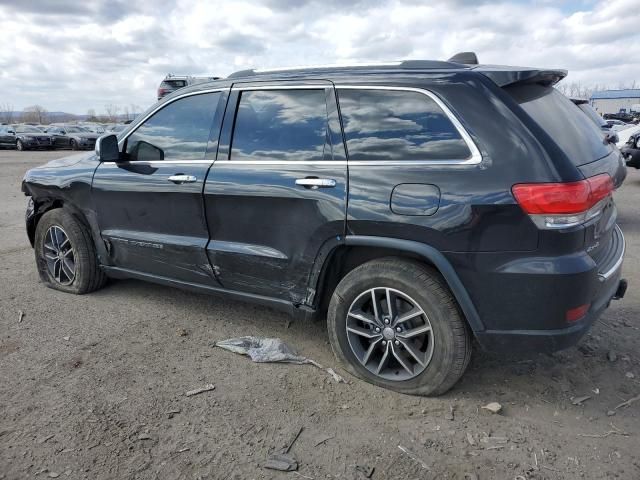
(575, 133)
(176, 83)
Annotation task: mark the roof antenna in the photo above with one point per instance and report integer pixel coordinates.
(467, 58)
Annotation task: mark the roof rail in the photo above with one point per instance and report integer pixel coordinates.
(403, 64)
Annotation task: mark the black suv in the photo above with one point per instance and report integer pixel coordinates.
(419, 204)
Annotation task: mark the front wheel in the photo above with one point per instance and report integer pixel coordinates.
(20, 146)
(65, 254)
(394, 323)
(74, 145)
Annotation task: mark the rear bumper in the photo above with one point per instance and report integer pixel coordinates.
(540, 325)
(519, 341)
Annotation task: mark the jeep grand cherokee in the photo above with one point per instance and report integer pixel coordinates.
(419, 204)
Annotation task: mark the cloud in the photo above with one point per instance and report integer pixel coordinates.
(72, 56)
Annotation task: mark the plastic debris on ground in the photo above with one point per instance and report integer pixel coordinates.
(271, 350)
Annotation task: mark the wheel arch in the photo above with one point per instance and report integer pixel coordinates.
(44, 205)
(330, 271)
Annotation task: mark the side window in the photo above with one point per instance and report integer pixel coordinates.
(398, 125)
(280, 125)
(179, 131)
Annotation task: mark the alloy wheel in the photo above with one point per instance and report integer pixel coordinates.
(59, 255)
(390, 334)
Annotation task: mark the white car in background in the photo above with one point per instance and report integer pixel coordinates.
(623, 135)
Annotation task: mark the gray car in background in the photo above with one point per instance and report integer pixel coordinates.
(171, 83)
(73, 137)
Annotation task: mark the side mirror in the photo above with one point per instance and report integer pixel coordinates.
(11, 132)
(62, 132)
(107, 148)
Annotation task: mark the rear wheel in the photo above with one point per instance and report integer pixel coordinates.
(20, 146)
(74, 145)
(394, 323)
(65, 254)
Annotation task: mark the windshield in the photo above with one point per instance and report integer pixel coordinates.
(27, 129)
(74, 130)
(575, 133)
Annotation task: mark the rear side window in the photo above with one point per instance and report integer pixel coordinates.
(280, 125)
(398, 125)
(179, 131)
(574, 132)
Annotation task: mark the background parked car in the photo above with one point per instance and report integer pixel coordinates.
(71, 136)
(631, 150)
(172, 83)
(583, 104)
(116, 128)
(27, 137)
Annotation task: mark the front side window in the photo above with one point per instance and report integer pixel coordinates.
(280, 125)
(178, 131)
(398, 125)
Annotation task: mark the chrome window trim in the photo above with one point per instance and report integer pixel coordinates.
(474, 159)
(281, 162)
(162, 162)
(312, 86)
(161, 106)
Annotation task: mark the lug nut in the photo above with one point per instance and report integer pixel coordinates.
(397, 342)
(377, 329)
(384, 342)
(398, 329)
(386, 321)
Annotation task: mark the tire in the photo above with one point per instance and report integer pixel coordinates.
(87, 274)
(20, 146)
(74, 145)
(444, 358)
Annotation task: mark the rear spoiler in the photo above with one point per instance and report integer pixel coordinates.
(505, 75)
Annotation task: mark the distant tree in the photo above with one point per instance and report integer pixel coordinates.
(112, 111)
(34, 113)
(91, 115)
(6, 110)
(135, 110)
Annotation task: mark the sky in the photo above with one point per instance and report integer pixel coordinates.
(72, 55)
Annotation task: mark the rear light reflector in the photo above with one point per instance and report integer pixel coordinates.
(562, 205)
(575, 314)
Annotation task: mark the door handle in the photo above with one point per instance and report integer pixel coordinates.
(315, 183)
(180, 178)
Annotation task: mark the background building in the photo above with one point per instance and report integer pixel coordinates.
(611, 101)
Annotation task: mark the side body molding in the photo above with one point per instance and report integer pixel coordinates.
(434, 257)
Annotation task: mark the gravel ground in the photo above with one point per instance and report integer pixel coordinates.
(94, 387)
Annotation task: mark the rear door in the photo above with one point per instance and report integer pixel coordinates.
(277, 191)
(150, 207)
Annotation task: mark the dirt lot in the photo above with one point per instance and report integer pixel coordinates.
(94, 387)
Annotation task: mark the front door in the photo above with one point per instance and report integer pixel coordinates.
(149, 206)
(277, 191)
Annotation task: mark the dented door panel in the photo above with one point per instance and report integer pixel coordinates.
(270, 213)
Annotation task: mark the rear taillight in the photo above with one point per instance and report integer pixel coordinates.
(562, 205)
